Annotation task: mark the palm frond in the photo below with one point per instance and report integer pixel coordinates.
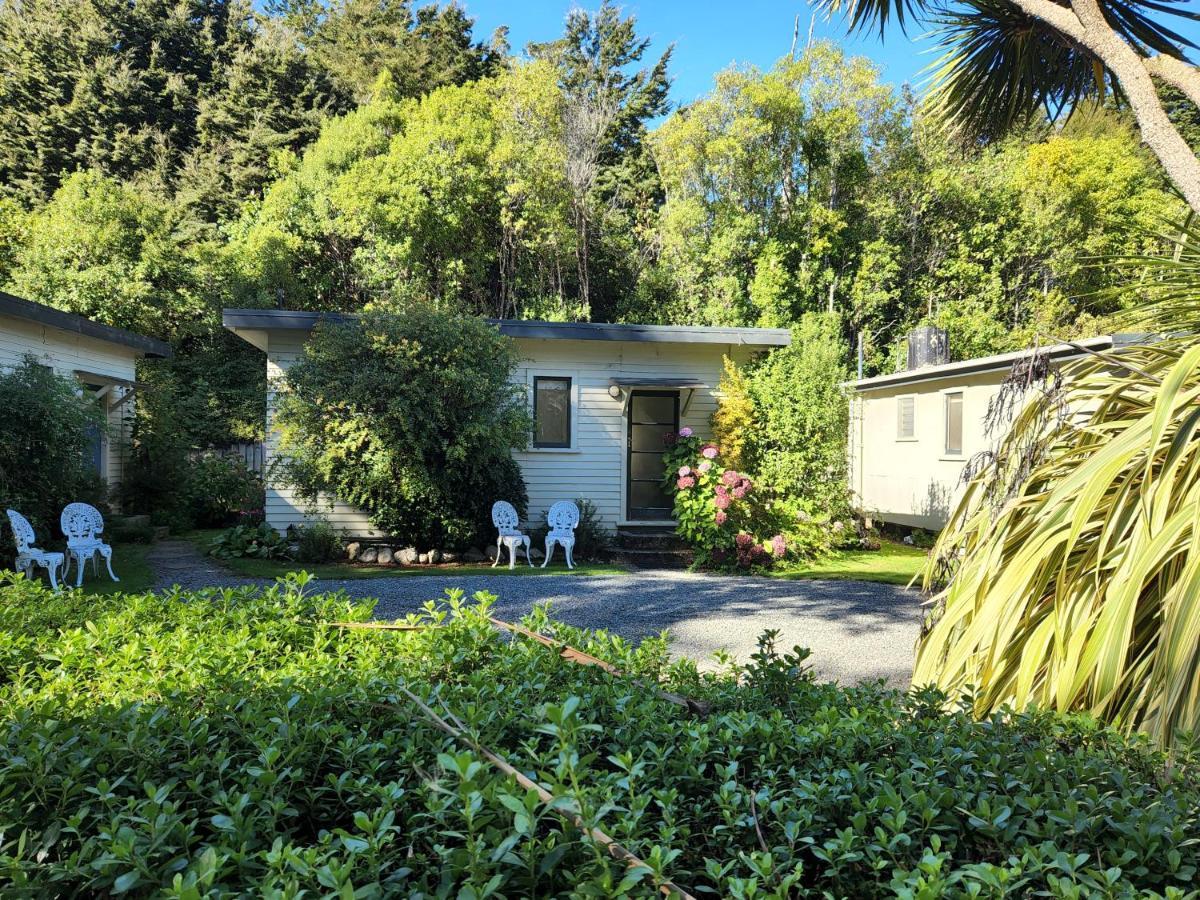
(1082, 590)
(1000, 68)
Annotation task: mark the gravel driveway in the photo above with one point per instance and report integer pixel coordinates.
(856, 630)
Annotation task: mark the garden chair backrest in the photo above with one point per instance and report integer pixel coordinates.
(504, 517)
(563, 516)
(22, 530)
(81, 522)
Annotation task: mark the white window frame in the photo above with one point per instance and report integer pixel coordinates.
(947, 393)
(532, 374)
(899, 399)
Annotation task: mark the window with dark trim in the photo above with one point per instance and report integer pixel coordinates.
(551, 412)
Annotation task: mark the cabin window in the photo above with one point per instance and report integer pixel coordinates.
(551, 412)
(954, 423)
(906, 418)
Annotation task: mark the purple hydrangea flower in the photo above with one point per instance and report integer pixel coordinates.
(685, 470)
(709, 452)
(685, 432)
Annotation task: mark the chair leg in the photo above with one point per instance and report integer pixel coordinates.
(51, 570)
(512, 555)
(499, 550)
(549, 550)
(80, 562)
(526, 542)
(108, 562)
(569, 550)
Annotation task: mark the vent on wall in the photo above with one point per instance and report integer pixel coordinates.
(906, 418)
(928, 346)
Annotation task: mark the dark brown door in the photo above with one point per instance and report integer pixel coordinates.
(652, 416)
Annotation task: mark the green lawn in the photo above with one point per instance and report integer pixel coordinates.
(892, 564)
(270, 568)
(129, 562)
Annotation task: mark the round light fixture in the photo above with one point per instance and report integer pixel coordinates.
(614, 391)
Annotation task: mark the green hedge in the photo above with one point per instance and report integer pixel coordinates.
(226, 743)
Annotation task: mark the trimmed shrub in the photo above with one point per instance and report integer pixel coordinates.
(220, 488)
(227, 743)
(410, 415)
(44, 461)
(318, 542)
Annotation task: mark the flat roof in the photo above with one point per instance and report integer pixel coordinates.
(65, 321)
(297, 320)
(998, 362)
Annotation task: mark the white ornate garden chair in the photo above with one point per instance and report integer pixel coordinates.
(562, 521)
(505, 518)
(29, 555)
(83, 524)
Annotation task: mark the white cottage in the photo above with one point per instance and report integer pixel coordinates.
(101, 358)
(912, 432)
(602, 397)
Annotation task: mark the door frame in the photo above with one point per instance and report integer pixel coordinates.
(626, 457)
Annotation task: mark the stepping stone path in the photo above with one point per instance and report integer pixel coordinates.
(179, 562)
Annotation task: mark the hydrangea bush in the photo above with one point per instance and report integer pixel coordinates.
(720, 514)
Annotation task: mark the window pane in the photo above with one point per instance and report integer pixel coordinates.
(906, 414)
(552, 412)
(653, 411)
(954, 413)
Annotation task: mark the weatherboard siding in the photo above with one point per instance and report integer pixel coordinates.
(593, 467)
(67, 352)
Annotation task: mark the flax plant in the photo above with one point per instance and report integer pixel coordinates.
(1068, 575)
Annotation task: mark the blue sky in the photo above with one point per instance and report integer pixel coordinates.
(708, 36)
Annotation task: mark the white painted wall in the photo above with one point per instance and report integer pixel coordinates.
(915, 482)
(593, 467)
(66, 352)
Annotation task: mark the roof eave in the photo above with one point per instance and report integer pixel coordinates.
(1000, 362)
(20, 308)
(294, 320)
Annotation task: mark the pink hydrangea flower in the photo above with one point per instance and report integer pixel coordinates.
(723, 501)
(739, 492)
(778, 546)
(743, 539)
(709, 452)
(731, 477)
(722, 490)
(704, 466)
(685, 482)
(685, 432)
(685, 470)
(722, 517)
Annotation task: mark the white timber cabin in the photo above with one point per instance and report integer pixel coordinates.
(102, 359)
(602, 398)
(912, 432)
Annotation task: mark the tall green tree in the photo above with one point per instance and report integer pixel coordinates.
(269, 96)
(424, 48)
(1009, 63)
(765, 181)
(458, 199)
(113, 87)
(609, 98)
(111, 252)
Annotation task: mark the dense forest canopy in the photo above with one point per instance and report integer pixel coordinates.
(160, 159)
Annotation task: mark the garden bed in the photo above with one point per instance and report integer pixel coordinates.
(236, 742)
